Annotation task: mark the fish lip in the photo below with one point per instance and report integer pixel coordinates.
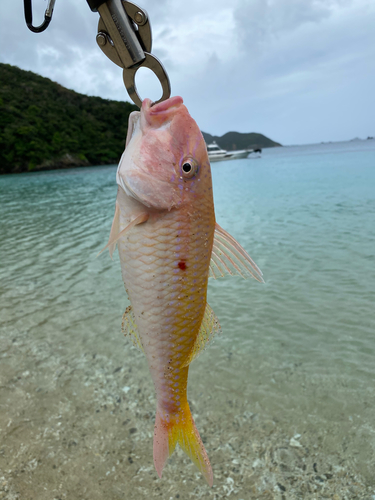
(169, 103)
(162, 110)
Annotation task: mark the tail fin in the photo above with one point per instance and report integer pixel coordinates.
(180, 430)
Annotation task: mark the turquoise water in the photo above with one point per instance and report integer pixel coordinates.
(297, 354)
(307, 216)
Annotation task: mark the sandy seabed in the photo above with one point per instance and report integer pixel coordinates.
(78, 424)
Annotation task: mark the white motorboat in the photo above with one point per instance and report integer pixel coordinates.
(215, 153)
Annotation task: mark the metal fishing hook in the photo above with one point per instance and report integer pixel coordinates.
(124, 35)
(29, 16)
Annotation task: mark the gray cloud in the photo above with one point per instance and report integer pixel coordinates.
(296, 70)
(260, 22)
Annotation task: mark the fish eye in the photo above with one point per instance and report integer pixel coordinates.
(189, 168)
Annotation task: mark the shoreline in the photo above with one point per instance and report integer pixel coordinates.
(81, 426)
(58, 165)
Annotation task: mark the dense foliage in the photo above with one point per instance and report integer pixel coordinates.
(237, 140)
(44, 125)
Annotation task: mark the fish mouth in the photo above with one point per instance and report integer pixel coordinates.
(161, 111)
(167, 104)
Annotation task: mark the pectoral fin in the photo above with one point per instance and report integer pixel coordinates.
(115, 229)
(209, 327)
(115, 233)
(228, 257)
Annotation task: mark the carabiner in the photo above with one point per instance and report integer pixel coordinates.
(29, 16)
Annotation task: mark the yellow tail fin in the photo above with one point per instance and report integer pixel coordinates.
(180, 429)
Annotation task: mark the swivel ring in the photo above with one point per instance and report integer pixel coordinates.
(151, 62)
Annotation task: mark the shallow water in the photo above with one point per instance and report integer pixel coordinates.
(284, 398)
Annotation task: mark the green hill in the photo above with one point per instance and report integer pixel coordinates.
(44, 125)
(235, 140)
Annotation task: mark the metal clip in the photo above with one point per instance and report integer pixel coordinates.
(29, 16)
(124, 35)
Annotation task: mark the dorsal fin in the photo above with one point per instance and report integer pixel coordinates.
(209, 327)
(228, 257)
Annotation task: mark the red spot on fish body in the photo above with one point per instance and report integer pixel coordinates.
(182, 265)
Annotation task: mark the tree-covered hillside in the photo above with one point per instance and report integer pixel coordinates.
(44, 125)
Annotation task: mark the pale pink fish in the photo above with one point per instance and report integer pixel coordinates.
(169, 245)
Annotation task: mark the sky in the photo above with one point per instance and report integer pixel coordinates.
(297, 71)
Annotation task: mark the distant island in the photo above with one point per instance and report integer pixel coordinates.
(45, 126)
(236, 140)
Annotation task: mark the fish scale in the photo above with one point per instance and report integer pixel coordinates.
(168, 302)
(169, 312)
(169, 245)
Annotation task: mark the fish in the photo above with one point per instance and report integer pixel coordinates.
(169, 245)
